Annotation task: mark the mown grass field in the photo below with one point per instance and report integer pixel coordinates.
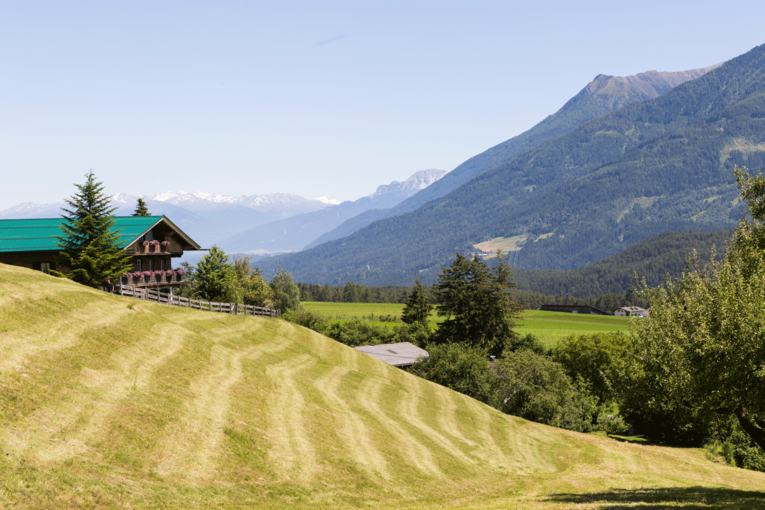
(110, 402)
(550, 327)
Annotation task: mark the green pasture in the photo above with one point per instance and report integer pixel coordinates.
(549, 327)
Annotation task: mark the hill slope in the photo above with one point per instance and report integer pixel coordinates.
(657, 165)
(112, 402)
(603, 95)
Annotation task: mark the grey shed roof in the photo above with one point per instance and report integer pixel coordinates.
(399, 355)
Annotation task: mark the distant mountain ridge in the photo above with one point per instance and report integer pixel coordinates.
(295, 232)
(653, 166)
(603, 95)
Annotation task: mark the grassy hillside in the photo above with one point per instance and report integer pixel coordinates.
(112, 402)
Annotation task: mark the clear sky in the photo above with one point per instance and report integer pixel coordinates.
(313, 98)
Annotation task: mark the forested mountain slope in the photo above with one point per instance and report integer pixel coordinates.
(112, 402)
(652, 259)
(603, 95)
(654, 166)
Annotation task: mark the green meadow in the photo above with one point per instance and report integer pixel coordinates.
(549, 327)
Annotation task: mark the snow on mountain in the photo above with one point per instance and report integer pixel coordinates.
(326, 199)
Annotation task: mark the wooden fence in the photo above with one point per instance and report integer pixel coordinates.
(211, 306)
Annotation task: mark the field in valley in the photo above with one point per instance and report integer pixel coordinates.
(110, 402)
(548, 326)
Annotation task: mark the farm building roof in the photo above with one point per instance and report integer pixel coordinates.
(40, 234)
(399, 355)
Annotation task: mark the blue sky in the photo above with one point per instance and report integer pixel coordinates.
(312, 98)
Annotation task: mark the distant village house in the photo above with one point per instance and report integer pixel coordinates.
(632, 311)
(151, 241)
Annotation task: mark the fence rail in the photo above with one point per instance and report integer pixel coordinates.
(198, 304)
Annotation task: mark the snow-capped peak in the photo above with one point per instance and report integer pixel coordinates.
(328, 200)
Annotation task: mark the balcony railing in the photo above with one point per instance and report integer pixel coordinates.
(155, 279)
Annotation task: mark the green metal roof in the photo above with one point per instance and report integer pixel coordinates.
(39, 234)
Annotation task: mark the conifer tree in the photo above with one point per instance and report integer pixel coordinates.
(90, 245)
(418, 305)
(476, 303)
(141, 209)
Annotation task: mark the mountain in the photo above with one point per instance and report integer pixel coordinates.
(653, 166)
(207, 217)
(603, 95)
(296, 232)
(651, 259)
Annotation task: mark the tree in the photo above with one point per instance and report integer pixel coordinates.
(418, 305)
(593, 359)
(701, 350)
(215, 278)
(90, 244)
(141, 209)
(461, 367)
(476, 302)
(536, 388)
(252, 287)
(286, 292)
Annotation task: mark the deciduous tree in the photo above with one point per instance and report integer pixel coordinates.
(702, 350)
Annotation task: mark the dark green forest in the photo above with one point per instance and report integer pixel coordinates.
(654, 166)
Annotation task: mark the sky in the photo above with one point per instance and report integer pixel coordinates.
(312, 98)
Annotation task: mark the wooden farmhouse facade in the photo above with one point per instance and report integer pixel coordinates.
(151, 241)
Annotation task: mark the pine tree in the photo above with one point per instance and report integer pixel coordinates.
(141, 209)
(418, 305)
(476, 303)
(90, 245)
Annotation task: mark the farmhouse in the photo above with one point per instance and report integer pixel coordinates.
(399, 355)
(574, 309)
(151, 241)
(632, 311)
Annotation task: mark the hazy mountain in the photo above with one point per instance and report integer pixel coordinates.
(207, 217)
(601, 96)
(653, 166)
(296, 232)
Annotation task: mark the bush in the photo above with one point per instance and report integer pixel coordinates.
(461, 367)
(536, 388)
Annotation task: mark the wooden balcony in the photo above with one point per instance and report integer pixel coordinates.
(156, 280)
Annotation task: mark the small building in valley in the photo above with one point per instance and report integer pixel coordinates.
(399, 355)
(591, 310)
(151, 241)
(632, 311)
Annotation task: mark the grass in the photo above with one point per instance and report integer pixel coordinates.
(105, 405)
(550, 327)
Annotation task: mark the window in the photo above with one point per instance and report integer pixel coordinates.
(138, 265)
(162, 264)
(45, 267)
(151, 264)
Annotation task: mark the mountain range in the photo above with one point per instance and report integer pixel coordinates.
(295, 232)
(601, 96)
(654, 165)
(211, 218)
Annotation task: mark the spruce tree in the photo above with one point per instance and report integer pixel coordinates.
(418, 305)
(141, 209)
(90, 245)
(476, 303)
